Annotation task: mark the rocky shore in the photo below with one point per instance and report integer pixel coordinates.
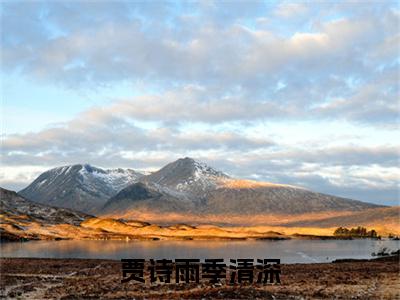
(30, 278)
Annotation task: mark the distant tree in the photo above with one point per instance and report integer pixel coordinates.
(341, 231)
(355, 232)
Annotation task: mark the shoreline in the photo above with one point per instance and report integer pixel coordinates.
(156, 239)
(39, 278)
(8, 238)
(389, 257)
(23, 228)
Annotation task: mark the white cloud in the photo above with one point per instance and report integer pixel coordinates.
(222, 83)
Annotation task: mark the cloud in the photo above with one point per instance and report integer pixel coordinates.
(97, 133)
(367, 182)
(214, 72)
(108, 138)
(375, 101)
(244, 63)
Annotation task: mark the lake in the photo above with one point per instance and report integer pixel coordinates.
(289, 251)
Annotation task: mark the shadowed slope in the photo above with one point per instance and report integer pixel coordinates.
(80, 187)
(189, 188)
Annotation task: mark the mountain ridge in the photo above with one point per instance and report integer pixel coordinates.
(81, 186)
(11, 201)
(189, 187)
(184, 186)
(22, 219)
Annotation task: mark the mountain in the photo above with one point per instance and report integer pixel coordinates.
(380, 218)
(183, 185)
(20, 217)
(182, 191)
(140, 198)
(189, 190)
(186, 176)
(24, 219)
(185, 179)
(12, 204)
(79, 187)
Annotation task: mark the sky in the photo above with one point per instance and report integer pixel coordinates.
(302, 93)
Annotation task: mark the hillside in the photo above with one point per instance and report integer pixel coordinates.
(182, 191)
(384, 220)
(23, 218)
(80, 187)
(186, 189)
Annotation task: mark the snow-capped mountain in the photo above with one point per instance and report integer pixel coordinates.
(186, 172)
(183, 184)
(186, 177)
(193, 188)
(80, 187)
(183, 187)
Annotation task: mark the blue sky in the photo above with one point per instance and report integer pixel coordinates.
(304, 93)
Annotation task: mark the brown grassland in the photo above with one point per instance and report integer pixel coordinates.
(24, 278)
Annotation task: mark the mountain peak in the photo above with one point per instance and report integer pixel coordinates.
(189, 167)
(187, 175)
(80, 186)
(187, 159)
(74, 168)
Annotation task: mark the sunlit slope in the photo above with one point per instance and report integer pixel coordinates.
(21, 218)
(189, 190)
(386, 219)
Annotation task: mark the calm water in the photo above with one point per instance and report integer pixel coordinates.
(289, 251)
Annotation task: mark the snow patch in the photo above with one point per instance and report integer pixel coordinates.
(204, 178)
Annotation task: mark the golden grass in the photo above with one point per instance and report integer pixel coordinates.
(261, 219)
(169, 226)
(249, 184)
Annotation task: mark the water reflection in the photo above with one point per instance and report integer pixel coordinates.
(289, 251)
